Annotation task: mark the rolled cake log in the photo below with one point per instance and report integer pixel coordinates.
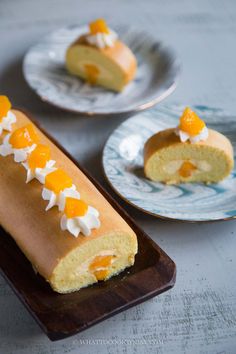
(111, 67)
(66, 262)
(167, 159)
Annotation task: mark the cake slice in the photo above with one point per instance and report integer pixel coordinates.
(189, 153)
(81, 240)
(100, 58)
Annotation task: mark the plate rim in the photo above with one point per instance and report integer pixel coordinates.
(176, 67)
(157, 215)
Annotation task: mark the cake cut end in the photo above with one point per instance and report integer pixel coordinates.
(168, 160)
(97, 260)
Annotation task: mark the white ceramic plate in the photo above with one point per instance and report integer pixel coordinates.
(123, 166)
(44, 70)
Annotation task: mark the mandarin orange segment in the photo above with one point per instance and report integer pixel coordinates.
(98, 26)
(5, 106)
(57, 180)
(100, 262)
(75, 207)
(101, 274)
(190, 122)
(39, 156)
(92, 73)
(187, 169)
(24, 137)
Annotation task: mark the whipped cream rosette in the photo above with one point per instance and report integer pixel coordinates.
(100, 35)
(20, 143)
(79, 217)
(191, 127)
(39, 163)
(57, 184)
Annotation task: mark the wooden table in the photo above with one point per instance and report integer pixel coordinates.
(199, 314)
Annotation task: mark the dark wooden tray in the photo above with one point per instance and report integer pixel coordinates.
(61, 316)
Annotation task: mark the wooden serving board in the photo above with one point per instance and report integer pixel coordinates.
(62, 315)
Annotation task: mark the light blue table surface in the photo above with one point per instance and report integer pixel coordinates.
(199, 314)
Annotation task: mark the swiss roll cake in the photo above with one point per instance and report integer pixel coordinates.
(69, 232)
(190, 152)
(100, 58)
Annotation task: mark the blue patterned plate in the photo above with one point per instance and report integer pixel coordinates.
(123, 166)
(44, 70)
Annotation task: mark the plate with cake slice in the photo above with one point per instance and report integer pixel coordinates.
(101, 70)
(175, 162)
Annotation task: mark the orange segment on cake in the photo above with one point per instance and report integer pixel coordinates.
(99, 57)
(7, 118)
(79, 217)
(58, 180)
(5, 106)
(23, 137)
(75, 207)
(20, 143)
(39, 156)
(189, 153)
(56, 184)
(38, 162)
